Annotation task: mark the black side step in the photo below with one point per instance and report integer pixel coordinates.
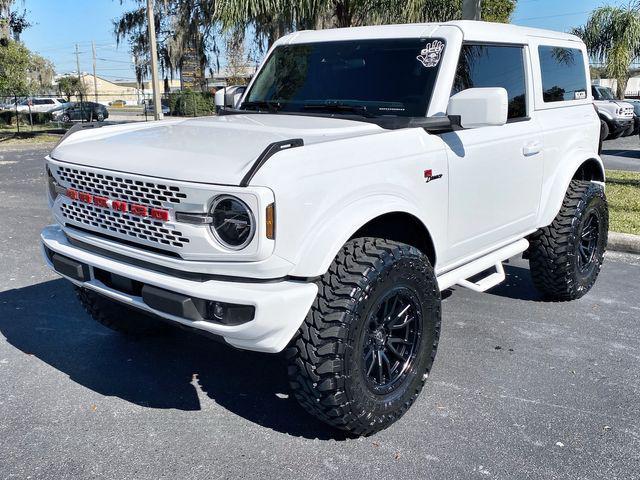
(266, 154)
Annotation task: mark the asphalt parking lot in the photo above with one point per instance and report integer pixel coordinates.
(521, 388)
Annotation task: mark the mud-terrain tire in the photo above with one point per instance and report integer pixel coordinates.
(604, 130)
(375, 294)
(565, 257)
(118, 317)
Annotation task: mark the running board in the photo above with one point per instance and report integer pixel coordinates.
(494, 259)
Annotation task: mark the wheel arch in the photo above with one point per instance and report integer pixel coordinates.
(384, 216)
(400, 227)
(583, 166)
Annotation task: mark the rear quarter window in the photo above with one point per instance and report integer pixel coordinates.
(563, 74)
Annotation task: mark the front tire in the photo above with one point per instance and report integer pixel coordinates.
(363, 353)
(118, 317)
(565, 257)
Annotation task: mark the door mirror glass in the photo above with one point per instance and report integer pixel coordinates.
(480, 107)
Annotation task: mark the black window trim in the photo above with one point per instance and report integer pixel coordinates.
(527, 90)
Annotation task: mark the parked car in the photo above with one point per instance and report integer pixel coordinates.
(118, 104)
(636, 116)
(616, 116)
(87, 111)
(326, 215)
(148, 108)
(39, 104)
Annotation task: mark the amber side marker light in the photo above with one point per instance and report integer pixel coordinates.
(271, 221)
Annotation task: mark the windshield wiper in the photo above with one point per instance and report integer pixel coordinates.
(271, 105)
(339, 107)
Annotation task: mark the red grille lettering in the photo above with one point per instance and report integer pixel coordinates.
(119, 206)
(72, 194)
(159, 214)
(85, 197)
(101, 202)
(139, 210)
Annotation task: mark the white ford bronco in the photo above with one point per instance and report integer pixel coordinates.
(364, 171)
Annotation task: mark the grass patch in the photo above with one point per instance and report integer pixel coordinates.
(28, 139)
(623, 194)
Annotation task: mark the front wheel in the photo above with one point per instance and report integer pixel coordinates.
(565, 257)
(368, 343)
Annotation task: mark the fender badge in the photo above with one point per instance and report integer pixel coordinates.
(429, 176)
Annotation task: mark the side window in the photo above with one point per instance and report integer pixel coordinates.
(494, 66)
(563, 74)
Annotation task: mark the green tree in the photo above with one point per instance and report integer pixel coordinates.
(15, 61)
(70, 86)
(41, 73)
(612, 36)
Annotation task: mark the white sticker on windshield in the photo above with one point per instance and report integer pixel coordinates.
(431, 53)
(580, 95)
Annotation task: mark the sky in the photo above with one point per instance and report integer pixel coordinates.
(59, 24)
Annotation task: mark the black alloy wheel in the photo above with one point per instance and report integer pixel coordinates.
(391, 341)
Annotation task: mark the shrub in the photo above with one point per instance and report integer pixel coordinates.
(8, 117)
(189, 103)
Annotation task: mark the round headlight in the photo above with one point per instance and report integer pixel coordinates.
(233, 223)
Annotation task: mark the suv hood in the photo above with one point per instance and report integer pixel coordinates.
(207, 150)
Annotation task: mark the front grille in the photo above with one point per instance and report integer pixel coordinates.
(112, 186)
(138, 228)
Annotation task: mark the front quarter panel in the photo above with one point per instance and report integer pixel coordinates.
(326, 191)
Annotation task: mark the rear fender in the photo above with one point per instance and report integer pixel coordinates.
(553, 192)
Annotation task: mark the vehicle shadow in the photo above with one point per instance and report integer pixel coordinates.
(518, 285)
(622, 153)
(46, 321)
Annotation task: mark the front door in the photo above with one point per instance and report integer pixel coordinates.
(495, 173)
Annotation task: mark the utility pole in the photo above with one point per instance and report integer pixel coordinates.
(157, 107)
(471, 9)
(78, 63)
(95, 79)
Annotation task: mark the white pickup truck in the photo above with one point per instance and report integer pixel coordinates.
(365, 171)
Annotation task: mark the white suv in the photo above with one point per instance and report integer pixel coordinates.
(365, 171)
(39, 104)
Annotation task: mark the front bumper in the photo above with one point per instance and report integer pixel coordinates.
(620, 124)
(280, 306)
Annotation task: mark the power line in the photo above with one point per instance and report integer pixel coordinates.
(551, 16)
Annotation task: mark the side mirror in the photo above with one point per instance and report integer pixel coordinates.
(480, 107)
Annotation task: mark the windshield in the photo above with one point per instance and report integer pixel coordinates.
(365, 77)
(605, 93)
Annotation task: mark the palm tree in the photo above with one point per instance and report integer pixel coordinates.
(612, 36)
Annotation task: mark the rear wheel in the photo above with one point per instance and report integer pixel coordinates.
(604, 130)
(118, 317)
(366, 347)
(565, 257)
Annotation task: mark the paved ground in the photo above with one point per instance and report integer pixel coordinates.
(622, 153)
(520, 389)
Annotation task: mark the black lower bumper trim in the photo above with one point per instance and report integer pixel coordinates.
(70, 268)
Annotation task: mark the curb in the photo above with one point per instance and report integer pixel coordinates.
(624, 242)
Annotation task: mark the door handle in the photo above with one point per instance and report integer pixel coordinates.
(531, 149)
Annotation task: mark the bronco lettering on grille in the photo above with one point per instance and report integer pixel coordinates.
(118, 205)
